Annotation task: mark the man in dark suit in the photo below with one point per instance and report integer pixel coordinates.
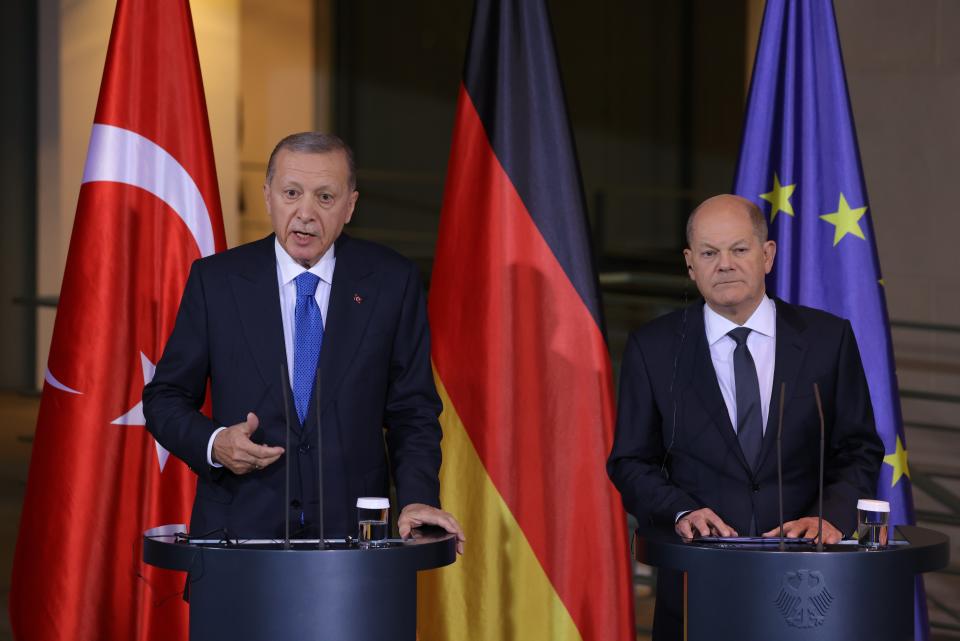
(695, 443)
(345, 311)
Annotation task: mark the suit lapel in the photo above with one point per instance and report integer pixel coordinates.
(257, 295)
(704, 382)
(352, 300)
(790, 352)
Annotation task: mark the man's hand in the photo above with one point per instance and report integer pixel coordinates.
(702, 522)
(806, 528)
(233, 449)
(417, 514)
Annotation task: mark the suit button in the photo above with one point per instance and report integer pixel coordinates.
(303, 449)
(756, 488)
(295, 504)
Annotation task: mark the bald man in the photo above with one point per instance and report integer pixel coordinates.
(695, 443)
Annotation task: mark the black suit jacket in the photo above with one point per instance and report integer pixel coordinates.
(374, 372)
(675, 448)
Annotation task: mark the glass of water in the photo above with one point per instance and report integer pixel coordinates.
(373, 517)
(873, 522)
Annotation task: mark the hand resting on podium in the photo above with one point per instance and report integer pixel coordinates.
(233, 449)
(417, 514)
(807, 528)
(702, 522)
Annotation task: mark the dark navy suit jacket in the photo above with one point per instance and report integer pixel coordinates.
(375, 379)
(676, 450)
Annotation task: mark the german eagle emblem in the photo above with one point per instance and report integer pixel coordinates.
(804, 598)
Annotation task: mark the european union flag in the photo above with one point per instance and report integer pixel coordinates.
(800, 162)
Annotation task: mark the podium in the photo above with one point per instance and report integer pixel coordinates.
(758, 593)
(259, 591)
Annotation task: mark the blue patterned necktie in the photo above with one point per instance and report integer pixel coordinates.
(307, 339)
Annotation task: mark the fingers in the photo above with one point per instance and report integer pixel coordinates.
(831, 535)
(703, 522)
(233, 448)
(249, 426)
(806, 528)
(683, 528)
(418, 514)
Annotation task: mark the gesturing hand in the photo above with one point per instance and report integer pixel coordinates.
(233, 449)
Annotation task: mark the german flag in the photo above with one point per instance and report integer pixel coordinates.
(521, 362)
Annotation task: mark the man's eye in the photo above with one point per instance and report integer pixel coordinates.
(290, 193)
(326, 198)
(709, 253)
(739, 251)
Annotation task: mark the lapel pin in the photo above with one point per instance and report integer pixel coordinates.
(357, 298)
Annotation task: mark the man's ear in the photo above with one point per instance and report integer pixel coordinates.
(687, 260)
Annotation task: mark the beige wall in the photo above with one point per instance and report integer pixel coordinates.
(277, 93)
(73, 45)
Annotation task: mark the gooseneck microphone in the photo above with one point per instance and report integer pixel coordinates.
(783, 390)
(816, 393)
(285, 386)
(322, 544)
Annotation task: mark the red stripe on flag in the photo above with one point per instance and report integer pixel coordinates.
(528, 370)
(97, 479)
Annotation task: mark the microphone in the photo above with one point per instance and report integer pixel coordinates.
(783, 390)
(322, 544)
(285, 386)
(816, 393)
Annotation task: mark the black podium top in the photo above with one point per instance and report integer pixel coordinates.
(921, 549)
(166, 547)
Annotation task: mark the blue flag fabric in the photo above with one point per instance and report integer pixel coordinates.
(800, 162)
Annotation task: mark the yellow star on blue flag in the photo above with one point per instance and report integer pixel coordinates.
(845, 220)
(779, 198)
(898, 461)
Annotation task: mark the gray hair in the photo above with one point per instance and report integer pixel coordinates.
(314, 142)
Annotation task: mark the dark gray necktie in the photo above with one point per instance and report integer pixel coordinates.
(749, 420)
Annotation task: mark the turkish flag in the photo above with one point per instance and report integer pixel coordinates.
(148, 208)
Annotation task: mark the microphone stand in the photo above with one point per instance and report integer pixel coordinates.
(783, 390)
(322, 544)
(285, 385)
(816, 393)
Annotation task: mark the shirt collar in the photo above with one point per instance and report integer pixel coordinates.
(763, 321)
(290, 269)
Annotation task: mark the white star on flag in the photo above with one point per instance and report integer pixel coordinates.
(135, 415)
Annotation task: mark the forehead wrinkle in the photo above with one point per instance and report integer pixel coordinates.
(713, 244)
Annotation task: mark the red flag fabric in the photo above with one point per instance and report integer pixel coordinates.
(148, 207)
(520, 361)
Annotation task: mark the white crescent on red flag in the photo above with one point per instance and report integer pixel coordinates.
(148, 208)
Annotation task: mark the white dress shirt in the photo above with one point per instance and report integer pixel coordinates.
(287, 272)
(762, 343)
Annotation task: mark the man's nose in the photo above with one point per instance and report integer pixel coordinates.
(726, 261)
(306, 211)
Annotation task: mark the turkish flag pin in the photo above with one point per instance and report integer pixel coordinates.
(357, 298)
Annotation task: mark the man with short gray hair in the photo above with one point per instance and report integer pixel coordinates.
(344, 318)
